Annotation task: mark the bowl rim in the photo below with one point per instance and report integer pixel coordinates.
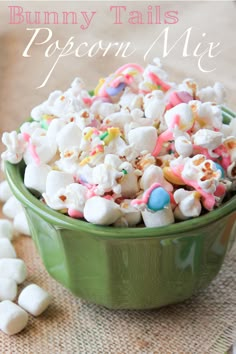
(13, 175)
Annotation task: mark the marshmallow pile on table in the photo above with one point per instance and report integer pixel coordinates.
(139, 149)
(13, 271)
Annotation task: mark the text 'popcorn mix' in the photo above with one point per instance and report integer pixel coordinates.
(139, 149)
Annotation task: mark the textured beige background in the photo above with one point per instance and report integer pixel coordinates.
(207, 322)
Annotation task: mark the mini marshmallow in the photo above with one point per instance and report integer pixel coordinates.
(13, 268)
(6, 229)
(6, 249)
(69, 136)
(143, 139)
(57, 180)
(35, 177)
(34, 299)
(101, 211)
(8, 289)
(13, 319)
(12, 207)
(21, 225)
(5, 191)
(158, 218)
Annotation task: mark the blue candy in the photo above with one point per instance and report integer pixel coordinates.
(219, 167)
(113, 91)
(158, 199)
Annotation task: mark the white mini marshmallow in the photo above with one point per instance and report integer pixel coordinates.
(13, 268)
(143, 139)
(5, 191)
(158, 218)
(12, 207)
(101, 211)
(6, 249)
(6, 229)
(13, 319)
(69, 136)
(57, 180)
(8, 289)
(34, 299)
(21, 225)
(35, 177)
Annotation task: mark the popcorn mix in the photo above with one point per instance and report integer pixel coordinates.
(139, 149)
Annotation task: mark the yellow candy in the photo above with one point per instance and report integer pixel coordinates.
(171, 177)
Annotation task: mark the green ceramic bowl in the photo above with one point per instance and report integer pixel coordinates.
(128, 268)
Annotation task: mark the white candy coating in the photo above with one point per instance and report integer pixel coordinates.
(8, 289)
(6, 229)
(12, 207)
(13, 319)
(101, 211)
(21, 225)
(5, 191)
(34, 299)
(13, 268)
(6, 249)
(69, 136)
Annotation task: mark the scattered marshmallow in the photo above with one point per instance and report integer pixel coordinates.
(6, 229)
(5, 191)
(13, 319)
(21, 225)
(34, 299)
(8, 289)
(13, 268)
(6, 249)
(12, 207)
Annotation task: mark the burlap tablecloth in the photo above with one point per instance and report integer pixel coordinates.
(204, 324)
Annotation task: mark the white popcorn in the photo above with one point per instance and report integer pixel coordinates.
(106, 179)
(35, 177)
(13, 268)
(212, 94)
(6, 229)
(20, 224)
(208, 139)
(101, 211)
(183, 146)
(12, 207)
(158, 218)
(154, 105)
(6, 249)
(189, 204)
(206, 115)
(34, 299)
(180, 116)
(15, 144)
(154, 174)
(5, 191)
(8, 289)
(143, 139)
(131, 216)
(13, 319)
(129, 180)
